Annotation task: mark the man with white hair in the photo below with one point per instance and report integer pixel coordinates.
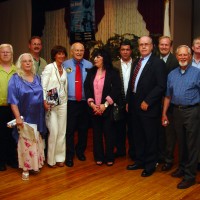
(183, 92)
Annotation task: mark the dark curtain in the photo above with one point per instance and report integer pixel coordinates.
(39, 7)
(153, 15)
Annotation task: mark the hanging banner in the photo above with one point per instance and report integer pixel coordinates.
(82, 20)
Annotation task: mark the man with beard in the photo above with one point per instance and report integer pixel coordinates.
(183, 91)
(35, 47)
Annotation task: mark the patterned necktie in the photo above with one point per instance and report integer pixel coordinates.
(135, 73)
(78, 83)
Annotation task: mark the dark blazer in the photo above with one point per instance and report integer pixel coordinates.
(117, 65)
(112, 87)
(151, 87)
(171, 63)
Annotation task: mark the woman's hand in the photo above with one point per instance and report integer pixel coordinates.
(47, 106)
(95, 108)
(19, 121)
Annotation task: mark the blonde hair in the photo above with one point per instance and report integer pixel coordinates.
(11, 49)
(20, 71)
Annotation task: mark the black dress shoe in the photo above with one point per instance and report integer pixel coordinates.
(134, 167)
(198, 167)
(177, 173)
(146, 173)
(2, 168)
(81, 157)
(166, 166)
(69, 163)
(185, 184)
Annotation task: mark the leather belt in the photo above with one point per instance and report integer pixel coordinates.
(185, 106)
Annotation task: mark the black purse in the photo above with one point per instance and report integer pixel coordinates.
(117, 113)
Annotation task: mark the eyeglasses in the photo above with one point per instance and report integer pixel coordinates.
(79, 50)
(36, 44)
(144, 44)
(5, 52)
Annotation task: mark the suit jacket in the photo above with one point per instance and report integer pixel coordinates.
(112, 87)
(117, 65)
(150, 88)
(171, 63)
(51, 79)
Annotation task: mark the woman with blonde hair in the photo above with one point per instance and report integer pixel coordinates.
(8, 149)
(25, 95)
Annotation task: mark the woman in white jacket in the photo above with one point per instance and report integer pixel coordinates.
(54, 83)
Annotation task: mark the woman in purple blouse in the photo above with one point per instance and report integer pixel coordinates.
(25, 94)
(102, 88)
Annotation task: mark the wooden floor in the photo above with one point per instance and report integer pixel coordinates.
(87, 181)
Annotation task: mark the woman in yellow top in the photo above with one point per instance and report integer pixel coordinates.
(8, 152)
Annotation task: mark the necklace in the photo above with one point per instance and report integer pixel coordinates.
(60, 70)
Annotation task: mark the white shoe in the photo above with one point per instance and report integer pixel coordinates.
(25, 176)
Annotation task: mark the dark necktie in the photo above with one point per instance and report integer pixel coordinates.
(78, 83)
(135, 73)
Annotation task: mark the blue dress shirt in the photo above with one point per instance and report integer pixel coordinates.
(70, 67)
(184, 86)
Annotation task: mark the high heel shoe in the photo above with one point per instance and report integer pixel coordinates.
(25, 176)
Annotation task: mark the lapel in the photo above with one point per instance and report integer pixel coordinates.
(56, 72)
(146, 67)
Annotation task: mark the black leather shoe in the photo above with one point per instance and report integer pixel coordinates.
(81, 157)
(3, 168)
(198, 167)
(166, 166)
(69, 163)
(185, 184)
(134, 167)
(177, 173)
(146, 173)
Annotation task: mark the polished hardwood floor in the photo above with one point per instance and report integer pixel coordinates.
(87, 181)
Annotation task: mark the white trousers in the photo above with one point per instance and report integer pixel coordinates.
(56, 121)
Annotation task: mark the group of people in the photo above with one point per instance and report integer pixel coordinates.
(159, 94)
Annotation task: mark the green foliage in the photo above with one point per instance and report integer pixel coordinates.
(113, 44)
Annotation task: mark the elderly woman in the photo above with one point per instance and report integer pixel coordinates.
(102, 88)
(25, 95)
(54, 82)
(8, 147)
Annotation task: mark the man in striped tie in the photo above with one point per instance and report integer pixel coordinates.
(146, 89)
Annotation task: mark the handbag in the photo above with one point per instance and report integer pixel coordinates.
(117, 113)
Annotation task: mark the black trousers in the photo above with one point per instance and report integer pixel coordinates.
(145, 136)
(77, 120)
(186, 123)
(8, 146)
(103, 131)
(123, 129)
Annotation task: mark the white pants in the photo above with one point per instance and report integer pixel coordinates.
(56, 122)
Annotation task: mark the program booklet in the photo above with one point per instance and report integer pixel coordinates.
(52, 97)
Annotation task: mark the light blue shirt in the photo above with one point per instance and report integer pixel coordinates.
(70, 67)
(144, 62)
(195, 64)
(184, 86)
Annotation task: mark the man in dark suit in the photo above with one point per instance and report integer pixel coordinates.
(167, 135)
(123, 127)
(146, 89)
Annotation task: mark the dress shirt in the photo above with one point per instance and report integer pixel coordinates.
(144, 61)
(165, 57)
(195, 64)
(184, 86)
(70, 67)
(126, 70)
(4, 78)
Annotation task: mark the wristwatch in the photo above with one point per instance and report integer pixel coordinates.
(106, 104)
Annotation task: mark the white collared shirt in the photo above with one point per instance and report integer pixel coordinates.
(144, 61)
(165, 57)
(126, 70)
